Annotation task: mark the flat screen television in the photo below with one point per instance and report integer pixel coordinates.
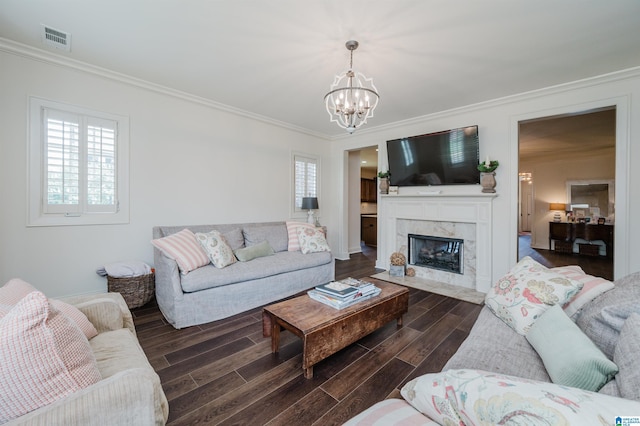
(449, 157)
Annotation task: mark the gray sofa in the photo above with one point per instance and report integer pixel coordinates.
(208, 293)
(493, 346)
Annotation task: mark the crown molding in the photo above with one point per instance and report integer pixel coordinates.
(615, 76)
(29, 52)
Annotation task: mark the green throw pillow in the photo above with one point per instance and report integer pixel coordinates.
(250, 253)
(570, 357)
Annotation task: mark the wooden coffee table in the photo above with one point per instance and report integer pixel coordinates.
(325, 330)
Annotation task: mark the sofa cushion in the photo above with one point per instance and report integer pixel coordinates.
(312, 240)
(591, 320)
(16, 289)
(494, 346)
(184, 249)
(116, 351)
(627, 356)
(259, 250)
(592, 288)
(282, 262)
(276, 235)
(216, 247)
(480, 398)
(234, 238)
(570, 357)
(44, 357)
(292, 233)
(529, 289)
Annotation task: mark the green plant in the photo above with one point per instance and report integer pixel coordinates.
(384, 174)
(490, 168)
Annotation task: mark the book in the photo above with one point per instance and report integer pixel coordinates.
(338, 303)
(337, 288)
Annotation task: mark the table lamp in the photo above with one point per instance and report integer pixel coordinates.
(310, 203)
(557, 207)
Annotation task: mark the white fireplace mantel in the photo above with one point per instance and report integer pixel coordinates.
(474, 208)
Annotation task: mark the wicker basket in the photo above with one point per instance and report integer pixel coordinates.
(136, 291)
(563, 247)
(589, 249)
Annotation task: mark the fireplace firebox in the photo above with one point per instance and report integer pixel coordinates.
(445, 254)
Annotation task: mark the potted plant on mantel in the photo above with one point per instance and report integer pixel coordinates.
(488, 175)
(384, 181)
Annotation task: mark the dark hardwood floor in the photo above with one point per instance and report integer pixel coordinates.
(600, 266)
(224, 372)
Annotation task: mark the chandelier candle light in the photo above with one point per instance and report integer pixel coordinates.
(352, 97)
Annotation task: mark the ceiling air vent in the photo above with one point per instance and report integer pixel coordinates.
(56, 38)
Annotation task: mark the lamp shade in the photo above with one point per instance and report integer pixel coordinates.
(309, 203)
(557, 206)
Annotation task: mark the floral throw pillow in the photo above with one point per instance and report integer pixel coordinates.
(216, 247)
(526, 292)
(474, 397)
(312, 240)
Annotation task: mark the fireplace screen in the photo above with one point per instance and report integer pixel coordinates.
(436, 252)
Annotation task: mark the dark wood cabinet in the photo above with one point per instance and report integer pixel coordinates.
(369, 232)
(368, 191)
(565, 234)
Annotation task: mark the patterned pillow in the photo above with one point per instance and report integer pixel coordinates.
(184, 249)
(16, 289)
(475, 397)
(292, 231)
(312, 240)
(43, 357)
(528, 290)
(216, 247)
(593, 287)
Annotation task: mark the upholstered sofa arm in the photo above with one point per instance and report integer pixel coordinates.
(126, 398)
(106, 311)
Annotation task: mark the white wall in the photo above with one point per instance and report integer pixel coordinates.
(550, 176)
(498, 129)
(190, 163)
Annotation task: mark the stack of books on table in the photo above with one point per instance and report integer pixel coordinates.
(340, 294)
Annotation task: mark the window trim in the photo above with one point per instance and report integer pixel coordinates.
(295, 210)
(36, 215)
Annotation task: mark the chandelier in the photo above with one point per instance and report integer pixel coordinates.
(352, 96)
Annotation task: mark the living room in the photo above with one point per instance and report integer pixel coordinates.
(197, 159)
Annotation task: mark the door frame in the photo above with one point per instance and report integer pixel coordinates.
(621, 239)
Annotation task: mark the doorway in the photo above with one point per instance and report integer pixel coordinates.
(363, 200)
(551, 151)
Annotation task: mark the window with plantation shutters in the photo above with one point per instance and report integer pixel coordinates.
(306, 173)
(78, 166)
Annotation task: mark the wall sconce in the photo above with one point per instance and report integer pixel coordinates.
(310, 203)
(557, 208)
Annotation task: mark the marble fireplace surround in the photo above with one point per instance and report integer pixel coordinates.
(466, 216)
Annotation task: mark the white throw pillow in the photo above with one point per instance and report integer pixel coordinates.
(312, 240)
(44, 357)
(216, 247)
(292, 232)
(529, 289)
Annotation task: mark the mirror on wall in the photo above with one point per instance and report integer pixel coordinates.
(591, 200)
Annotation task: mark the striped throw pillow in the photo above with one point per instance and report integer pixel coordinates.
(292, 231)
(16, 289)
(184, 249)
(43, 357)
(593, 287)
